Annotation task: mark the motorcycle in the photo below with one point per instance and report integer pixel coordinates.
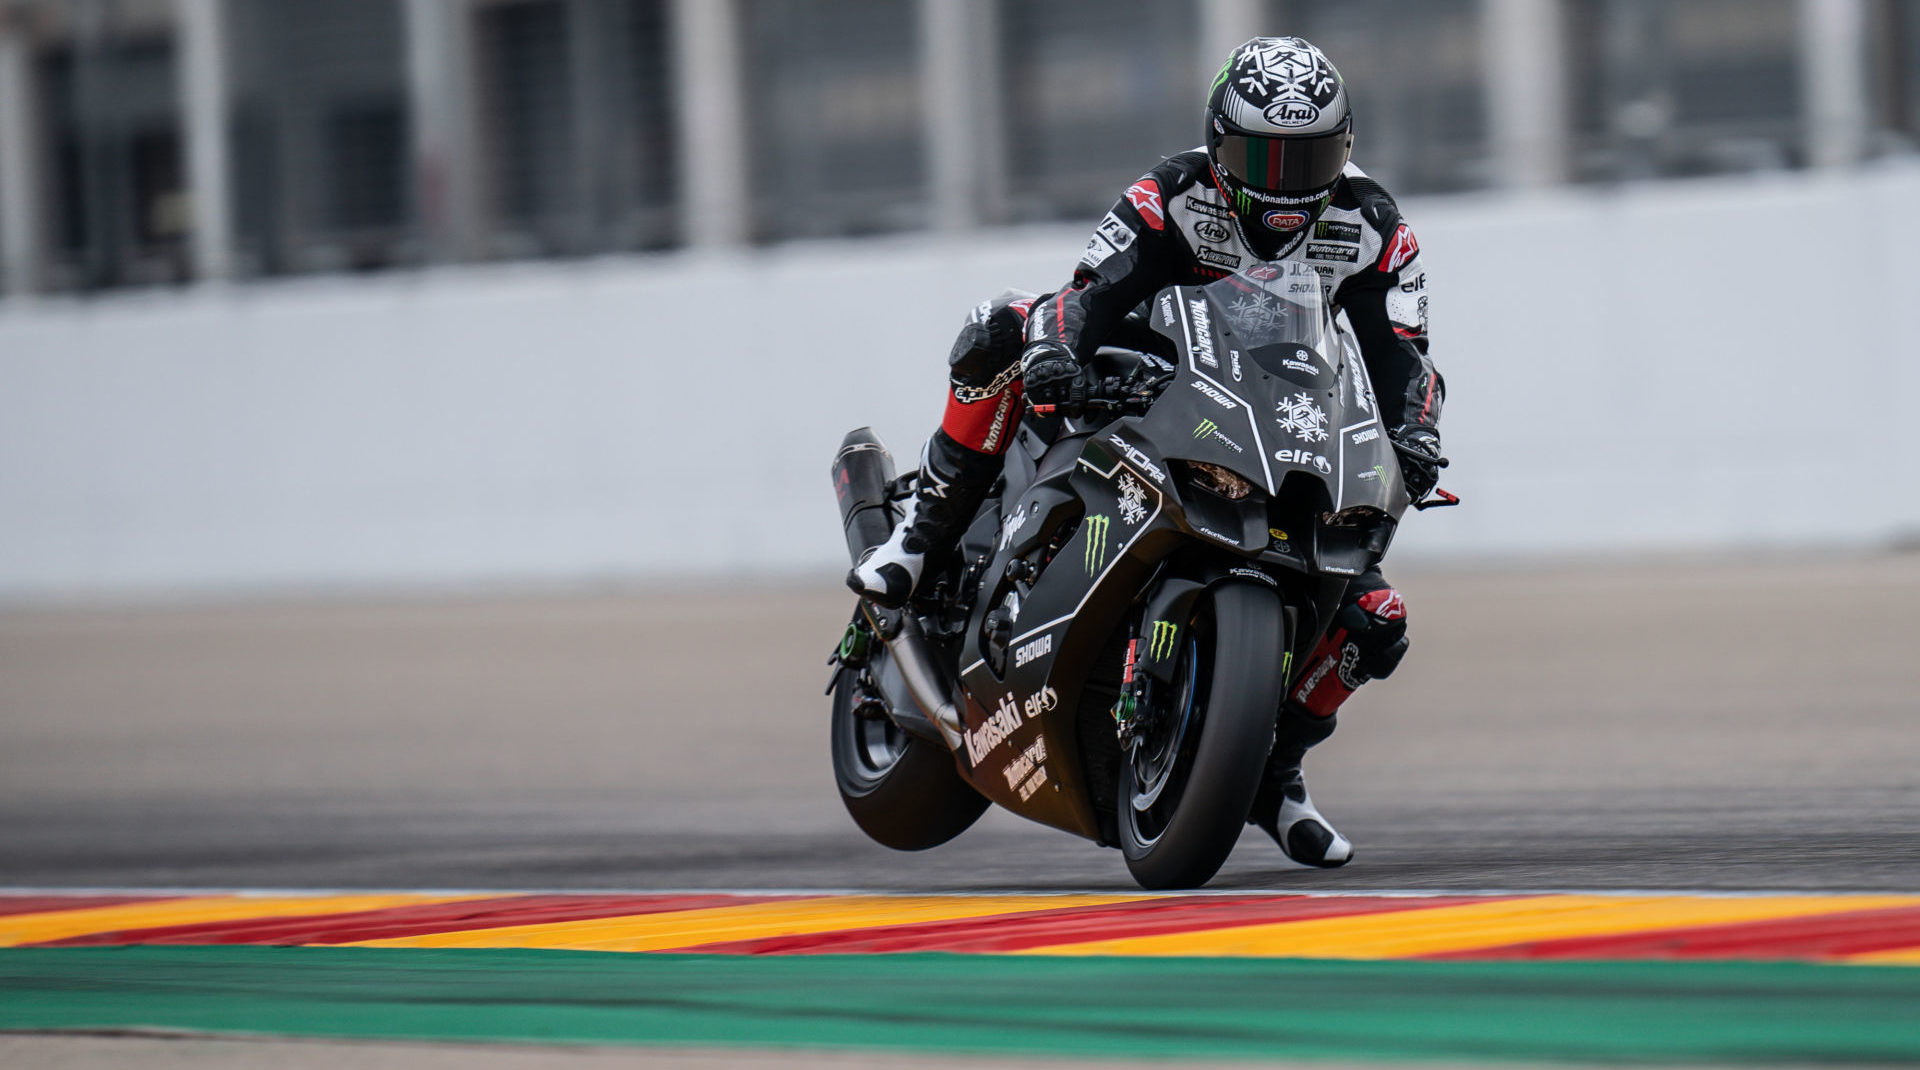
(1107, 649)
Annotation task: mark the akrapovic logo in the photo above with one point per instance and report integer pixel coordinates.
(1203, 333)
(1096, 557)
(1160, 642)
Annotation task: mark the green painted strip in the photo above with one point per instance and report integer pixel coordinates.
(1220, 1008)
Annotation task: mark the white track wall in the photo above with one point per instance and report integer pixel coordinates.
(1683, 366)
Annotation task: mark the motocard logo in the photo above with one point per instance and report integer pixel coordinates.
(1402, 248)
(1203, 333)
(1284, 221)
(1290, 114)
(1144, 196)
(1304, 457)
(995, 730)
(1320, 250)
(1218, 398)
(1037, 648)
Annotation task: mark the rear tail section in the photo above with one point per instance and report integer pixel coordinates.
(862, 471)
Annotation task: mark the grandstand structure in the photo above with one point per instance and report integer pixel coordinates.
(157, 142)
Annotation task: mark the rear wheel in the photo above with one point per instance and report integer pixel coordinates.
(1186, 785)
(902, 791)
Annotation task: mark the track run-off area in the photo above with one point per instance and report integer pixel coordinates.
(1738, 734)
(1569, 977)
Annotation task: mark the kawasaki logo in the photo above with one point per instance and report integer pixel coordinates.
(1097, 525)
(1161, 642)
(1207, 427)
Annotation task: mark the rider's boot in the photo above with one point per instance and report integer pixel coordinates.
(1283, 809)
(953, 481)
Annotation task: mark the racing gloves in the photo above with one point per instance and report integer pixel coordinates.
(1053, 376)
(1420, 460)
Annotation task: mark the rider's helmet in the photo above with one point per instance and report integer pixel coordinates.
(1279, 131)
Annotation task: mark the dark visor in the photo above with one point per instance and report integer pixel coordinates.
(1291, 165)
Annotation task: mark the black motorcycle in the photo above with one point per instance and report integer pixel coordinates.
(1108, 648)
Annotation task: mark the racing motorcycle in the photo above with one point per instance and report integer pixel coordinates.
(1108, 647)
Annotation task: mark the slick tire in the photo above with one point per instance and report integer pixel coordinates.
(903, 792)
(1234, 637)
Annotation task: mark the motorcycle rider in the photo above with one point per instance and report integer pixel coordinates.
(1273, 182)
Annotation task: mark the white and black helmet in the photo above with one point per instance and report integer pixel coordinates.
(1279, 132)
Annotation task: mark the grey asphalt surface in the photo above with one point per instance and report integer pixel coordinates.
(1686, 724)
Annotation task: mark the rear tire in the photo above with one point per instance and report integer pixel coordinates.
(903, 791)
(1185, 791)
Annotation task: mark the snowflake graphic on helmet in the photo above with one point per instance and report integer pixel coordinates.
(1286, 68)
(1306, 420)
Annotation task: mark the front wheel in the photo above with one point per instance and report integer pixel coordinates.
(902, 791)
(1188, 782)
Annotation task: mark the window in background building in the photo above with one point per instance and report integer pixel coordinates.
(1893, 42)
(1413, 70)
(320, 135)
(1663, 88)
(116, 184)
(833, 116)
(1095, 93)
(576, 125)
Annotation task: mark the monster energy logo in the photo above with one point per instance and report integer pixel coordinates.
(1161, 644)
(1207, 427)
(1096, 542)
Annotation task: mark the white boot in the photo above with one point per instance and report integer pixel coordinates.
(888, 573)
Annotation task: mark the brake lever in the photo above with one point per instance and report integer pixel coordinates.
(1440, 500)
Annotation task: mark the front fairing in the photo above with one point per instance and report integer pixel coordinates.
(1269, 388)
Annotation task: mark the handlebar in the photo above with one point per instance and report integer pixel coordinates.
(1117, 394)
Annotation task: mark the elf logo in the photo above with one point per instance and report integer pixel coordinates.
(1284, 221)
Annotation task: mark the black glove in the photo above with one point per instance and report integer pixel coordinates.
(1420, 460)
(1053, 376)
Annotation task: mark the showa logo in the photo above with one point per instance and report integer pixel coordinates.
(1284, 221)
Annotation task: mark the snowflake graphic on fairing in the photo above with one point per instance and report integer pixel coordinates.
(1133, 500)
(1300, 415)
(1256, 314)
(1285, 71)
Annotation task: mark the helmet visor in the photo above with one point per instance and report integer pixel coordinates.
(1288, 165)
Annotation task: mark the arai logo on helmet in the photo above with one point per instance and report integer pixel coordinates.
(1292, 113)
(1285, 220)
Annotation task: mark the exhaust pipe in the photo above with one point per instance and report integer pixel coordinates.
(862, 471)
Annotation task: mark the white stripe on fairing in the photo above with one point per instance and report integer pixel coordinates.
(1159, 499)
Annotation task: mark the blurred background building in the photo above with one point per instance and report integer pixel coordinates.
(324, 294)
(149, 142)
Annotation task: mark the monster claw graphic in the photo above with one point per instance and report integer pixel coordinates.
(1096, 542)
(1161, 645)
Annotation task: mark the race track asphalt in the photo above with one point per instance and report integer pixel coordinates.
(1683, 724)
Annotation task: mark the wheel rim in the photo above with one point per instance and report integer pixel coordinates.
(1162, 762)
(878, 744)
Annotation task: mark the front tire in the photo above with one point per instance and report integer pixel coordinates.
(1186, 787)
(903, 791)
